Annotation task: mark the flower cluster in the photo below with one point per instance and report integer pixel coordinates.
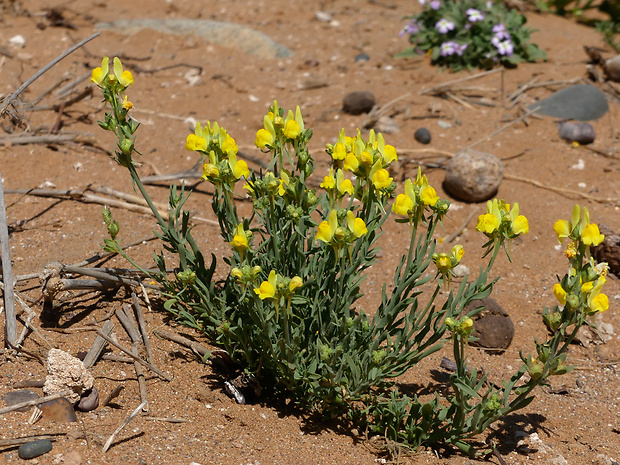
(279, 289)
(501, 223)
(581, 287)
(219, 150)
(418, 197)
(446, 262)
(114, 82)
(470, 33)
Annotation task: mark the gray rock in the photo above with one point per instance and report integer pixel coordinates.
(423, 136)
(361, 57)
(581, 132)
(221, 33)
(17, 397)
(581, 102)
(356, 103)
(89, 401)
(612, 68)
(34, 449)
(473, 176)
(493, 327)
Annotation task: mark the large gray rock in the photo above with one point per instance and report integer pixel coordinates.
(581, 102)
(473, 176)
(226, 34)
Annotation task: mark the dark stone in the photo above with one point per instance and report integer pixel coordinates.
(361, 57)
(59, 410)
(493, 327)
(356, 103)
(17, 397)
(581, 102)
(473, 176)
(34, 449)
(89, 401)
(423, 136)
(581, 132)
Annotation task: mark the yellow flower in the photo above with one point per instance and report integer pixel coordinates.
(559, 293)
(328, 181)
(99, 74)
(591, 235)
(356, 225)
(562, 229)
(339, 152)
(325, 231)
(381, 179)
(403, 205)
(520, 225)
(241, 169)
(240, 240)
(467, 324)
(351, 163)
(284, 181)
(210, 171)
(389, 154)
(343, 185)
(127, 105)
(193, 142)
(487, 223)
(429, 197)
(229, 145)
(264, 138)
(295, 283)
(599, 303)
(456, 254)
(443, 262)
(365, 158)
(124, 77)
(236, 273)
(267, 289)
(292, 129)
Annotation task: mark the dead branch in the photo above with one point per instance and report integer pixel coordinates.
(138, 359)
(142, 326)
(197, 348)
(98, 345)
(34, 402)
(442, 88)
(11, 98)
(123, 315)
(108, 443)
(23, 440)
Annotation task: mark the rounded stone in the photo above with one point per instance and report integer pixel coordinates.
(612, 68)
(89, 401)
(34, 449)
(473, 176)
(493, 327)
(423, 136)
(17, 397)
(580, 132)
(356, 103)
(361, 57)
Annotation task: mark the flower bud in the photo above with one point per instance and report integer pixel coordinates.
(126, 146)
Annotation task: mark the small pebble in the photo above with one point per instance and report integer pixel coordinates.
(473, 176)
(423, 136)
(577, 132)
(361, 57)
(444, 124)
(89, 401)
(492, 326)
(59, 410)
(612, 68)
(34, 449)
(356, 103)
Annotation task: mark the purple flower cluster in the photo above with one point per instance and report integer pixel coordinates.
(443, 26)
(501, 40)
(434, 4)
(412, 27)
(452, 48)
(474, 15)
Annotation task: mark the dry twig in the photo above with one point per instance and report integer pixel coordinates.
(108, 443)
(34, 402)
(123, 315)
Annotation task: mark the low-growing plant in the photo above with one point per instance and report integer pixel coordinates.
(462, 34)
(287, 309)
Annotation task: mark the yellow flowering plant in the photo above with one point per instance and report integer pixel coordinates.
(288, 308)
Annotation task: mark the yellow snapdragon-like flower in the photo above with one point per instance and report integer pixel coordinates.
(487, 223)
(562, 229)
(125, 78)
(344, 186)
(579, 228)
(99, 74)
(429, 196)
(210, 172)
(291, 129)
(340, 151)
(356, 225)
(599, 303)
(403, 205)
(325, 231)
(381, 179)
(240, 240)
(329, 182)
(193, 142)
(559, 293)
(267, 289)
(591, 235)
(296, 282)
(351, 163)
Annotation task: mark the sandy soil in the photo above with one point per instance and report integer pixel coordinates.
(576, 419)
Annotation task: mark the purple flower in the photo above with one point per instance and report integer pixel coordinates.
(448, 48)
(500, 32)
(504, 47)
(474, 15)
(412, 27)
(435, 4)
(451, 48)
(443, 26)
